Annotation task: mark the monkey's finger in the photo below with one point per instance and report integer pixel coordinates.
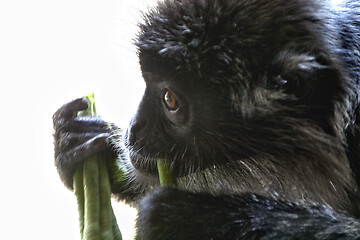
(68, 140)
(85, 124)
(90, 147)
(69, 110)
(66, 162)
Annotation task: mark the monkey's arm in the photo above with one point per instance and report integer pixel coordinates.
(175, 214)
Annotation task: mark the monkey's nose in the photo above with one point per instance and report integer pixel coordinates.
(137, 130)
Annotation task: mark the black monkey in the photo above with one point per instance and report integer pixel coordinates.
(255, 104)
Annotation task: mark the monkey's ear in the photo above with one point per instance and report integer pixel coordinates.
(300, 75)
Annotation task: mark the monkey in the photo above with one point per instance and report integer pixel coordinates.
(255, 106)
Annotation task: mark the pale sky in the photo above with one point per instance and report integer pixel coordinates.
(51, 52)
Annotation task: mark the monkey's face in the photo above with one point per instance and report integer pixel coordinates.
(221, 86)
(177, 120)
(203, 120)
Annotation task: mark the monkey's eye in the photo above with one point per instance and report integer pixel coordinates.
(170, 101)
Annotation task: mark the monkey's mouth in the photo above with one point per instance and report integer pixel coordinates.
(143, 164)
(148, 166)
(145, 161)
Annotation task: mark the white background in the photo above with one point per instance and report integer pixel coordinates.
(51, 52)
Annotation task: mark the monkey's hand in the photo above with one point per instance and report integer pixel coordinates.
(76, 138)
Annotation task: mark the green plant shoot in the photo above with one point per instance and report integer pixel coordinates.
(166, 177)
(93, 194)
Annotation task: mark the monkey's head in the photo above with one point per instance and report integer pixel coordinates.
(229, 80)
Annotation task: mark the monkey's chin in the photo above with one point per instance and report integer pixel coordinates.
(144, 165)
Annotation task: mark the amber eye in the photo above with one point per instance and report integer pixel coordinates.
(170, 101)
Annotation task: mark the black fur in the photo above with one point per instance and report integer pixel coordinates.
(237, 217)
(265, 141)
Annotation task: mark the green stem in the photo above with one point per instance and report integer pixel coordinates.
(93, 193)
(166, 177)
(105, 204)
(92, 201)
(79, 193)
